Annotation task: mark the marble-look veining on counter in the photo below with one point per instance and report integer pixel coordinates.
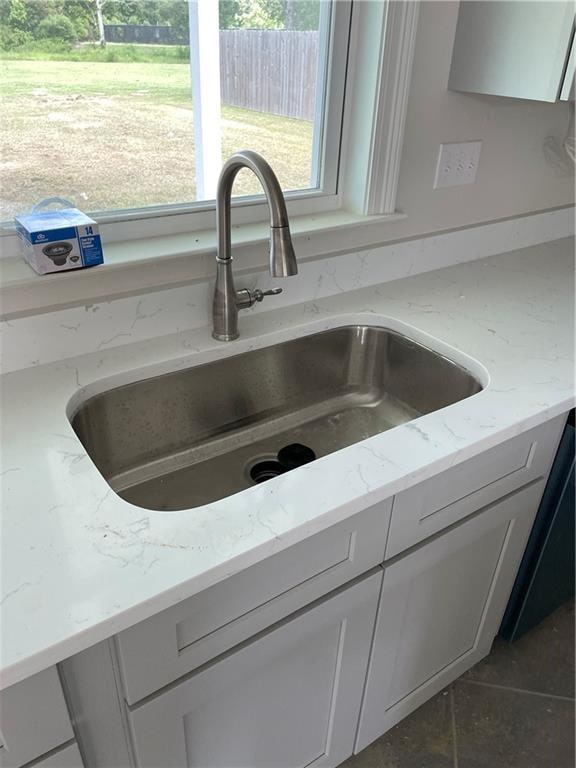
(45, 338)
(80, 564)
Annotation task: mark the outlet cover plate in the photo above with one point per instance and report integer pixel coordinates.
(457, 164)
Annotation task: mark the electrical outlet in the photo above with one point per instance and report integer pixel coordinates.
(457, 164)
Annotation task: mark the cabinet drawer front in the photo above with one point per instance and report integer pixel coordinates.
(69, 757)
(161, 649)
(433, 505)
(33, 719)
(289, 698)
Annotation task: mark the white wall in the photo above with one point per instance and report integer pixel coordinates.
(95, 328)
(513, 176)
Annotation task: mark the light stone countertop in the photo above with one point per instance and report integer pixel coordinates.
(79, 564)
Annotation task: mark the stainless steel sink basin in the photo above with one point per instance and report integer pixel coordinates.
(191, 437)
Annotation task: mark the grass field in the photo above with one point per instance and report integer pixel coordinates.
(120, 134)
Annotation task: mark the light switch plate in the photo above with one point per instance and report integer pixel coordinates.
(457, 164)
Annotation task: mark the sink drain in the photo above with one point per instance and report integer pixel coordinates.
(266, 470)
(295, 455)
(289, 457)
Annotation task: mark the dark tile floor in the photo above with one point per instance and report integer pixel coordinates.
(515, 709)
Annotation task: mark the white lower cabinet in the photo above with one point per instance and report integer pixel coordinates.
(287, 667)
(68, 757)
(33, 719)
(440, 608)
(290, 697)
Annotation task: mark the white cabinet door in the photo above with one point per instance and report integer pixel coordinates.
(440, 608)
(289, 698)
(33, 719)
(69, 757)
(508, 48)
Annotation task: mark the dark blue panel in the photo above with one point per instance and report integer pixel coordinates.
(546, 576)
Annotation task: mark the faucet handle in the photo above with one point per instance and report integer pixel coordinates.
(246, 298)
(259, 295)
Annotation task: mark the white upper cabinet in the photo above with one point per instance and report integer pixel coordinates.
(516, 48)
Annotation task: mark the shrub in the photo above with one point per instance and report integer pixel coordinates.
(34, 50)
(82, 31)
(57, 27)
(13, 38)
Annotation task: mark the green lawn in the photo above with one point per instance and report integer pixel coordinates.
(120, 134)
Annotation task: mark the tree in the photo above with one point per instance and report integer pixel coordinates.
(25, 16)
(57, 27)
(100, 22)
(289, 14)
(301, 14)
(134, 11)
(227, 12)
(308, 14)
(269, 14)
(13, 24)
(175, 13)
(81, 14)
(18, 16)
(36, 11)
(251, 14)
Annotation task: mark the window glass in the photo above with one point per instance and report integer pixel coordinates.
(97, 100)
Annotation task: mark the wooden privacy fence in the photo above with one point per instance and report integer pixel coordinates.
(269, 70)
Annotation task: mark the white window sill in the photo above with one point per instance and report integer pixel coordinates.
(139, 266)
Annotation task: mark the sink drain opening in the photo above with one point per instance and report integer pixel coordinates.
(295, 455)
(290, 457)
(266, 470)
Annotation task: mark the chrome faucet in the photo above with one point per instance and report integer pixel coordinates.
(227, 300)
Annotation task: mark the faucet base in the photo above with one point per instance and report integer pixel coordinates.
(225, 336)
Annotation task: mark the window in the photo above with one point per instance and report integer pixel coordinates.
(361, 93)
(139, 122)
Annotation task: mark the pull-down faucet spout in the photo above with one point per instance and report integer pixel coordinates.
(227, 301)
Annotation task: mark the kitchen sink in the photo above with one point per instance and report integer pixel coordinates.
(194, 436)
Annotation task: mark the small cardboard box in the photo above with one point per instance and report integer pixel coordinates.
(54, 241)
